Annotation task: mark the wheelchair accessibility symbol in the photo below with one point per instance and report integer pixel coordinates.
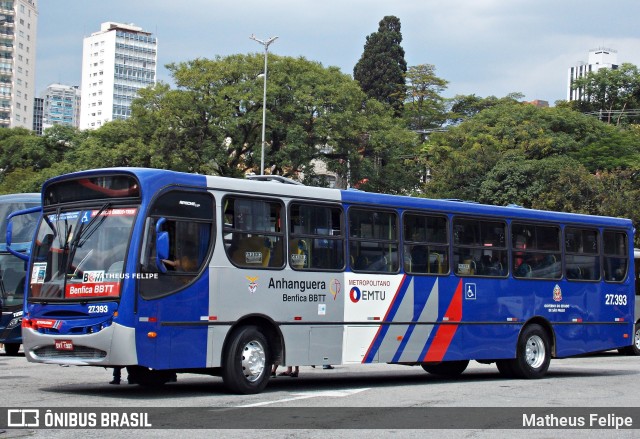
(470, 291)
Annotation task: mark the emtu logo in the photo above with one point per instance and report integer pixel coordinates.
(355, 294)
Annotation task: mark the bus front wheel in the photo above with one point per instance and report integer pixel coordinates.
(446, 368)
(247, 361)
(533, 353)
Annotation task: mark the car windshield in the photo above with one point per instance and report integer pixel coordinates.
(11, 280)
(80, 254)
(23, 225)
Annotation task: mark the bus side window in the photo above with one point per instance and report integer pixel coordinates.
(479, 247)
(426, 244)
(582, 254)
(316, 238)
(190, 236)
(253, 235)
(535, 251)
(373, 240)
(616, 260)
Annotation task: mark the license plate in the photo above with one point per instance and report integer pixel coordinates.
(64, 345)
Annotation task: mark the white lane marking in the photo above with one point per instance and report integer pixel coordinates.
(307, 395)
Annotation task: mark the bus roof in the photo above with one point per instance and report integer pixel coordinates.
(27, 197)
(473, 208)
(155, 179)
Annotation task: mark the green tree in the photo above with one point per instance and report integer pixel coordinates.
(552, 183)
(387, 159)
(619, 195)
(382, 67)
(25, 158)
(424, 107)
(523, 136)
(212, 122)
(610, 93)
(463, 107)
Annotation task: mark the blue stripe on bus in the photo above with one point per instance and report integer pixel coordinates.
(393, 309)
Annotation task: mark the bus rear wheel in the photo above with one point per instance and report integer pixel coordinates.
(634, 349)
(12, 348)
(533, 353)
(446, 368)
(247, 361)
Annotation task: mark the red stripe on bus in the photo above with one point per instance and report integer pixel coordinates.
(445, 333)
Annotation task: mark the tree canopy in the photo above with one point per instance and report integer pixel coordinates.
(211, 124)
(611, 93)
(382, 67)
(424, 107)
(545, 158)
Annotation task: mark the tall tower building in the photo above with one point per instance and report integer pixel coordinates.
(600, 58)
(60, 105)
(116, 62)
(18, 25)
(37, 116)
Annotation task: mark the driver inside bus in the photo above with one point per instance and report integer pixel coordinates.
(186, 261)
(183, 263)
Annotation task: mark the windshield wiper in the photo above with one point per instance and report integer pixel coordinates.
(63, 238)
(86, 232)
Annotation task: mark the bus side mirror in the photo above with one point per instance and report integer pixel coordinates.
(21, 255)
(162, 246)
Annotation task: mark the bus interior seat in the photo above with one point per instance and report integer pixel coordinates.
(252, 245)
(419, 259)
(298, 253)
(436, 263)
(574, 272)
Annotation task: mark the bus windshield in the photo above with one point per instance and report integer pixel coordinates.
(80, 254)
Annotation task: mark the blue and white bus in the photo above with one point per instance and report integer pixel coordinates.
(166, 272)
(12, 268)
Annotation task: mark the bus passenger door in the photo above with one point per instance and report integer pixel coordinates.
(174, 284)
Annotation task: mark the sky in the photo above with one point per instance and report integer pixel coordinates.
(481, 47)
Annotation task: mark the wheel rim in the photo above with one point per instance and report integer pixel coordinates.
(536, 353)
(637, 338)
(254, 360)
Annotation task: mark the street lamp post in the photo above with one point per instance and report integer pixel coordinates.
(264, 96)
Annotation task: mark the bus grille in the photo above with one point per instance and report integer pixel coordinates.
(78, 353)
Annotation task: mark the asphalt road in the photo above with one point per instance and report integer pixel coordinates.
(356, 396)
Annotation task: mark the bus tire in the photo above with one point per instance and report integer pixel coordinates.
(533, 353)
(12, 349)
(247, 360)
(634, 349)
(446, 368)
